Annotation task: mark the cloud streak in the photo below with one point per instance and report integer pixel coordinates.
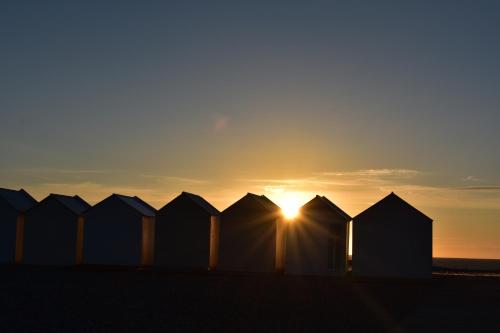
(365, 187)
(176, 179)
(61, 171)
(478, 188)
(404, 173)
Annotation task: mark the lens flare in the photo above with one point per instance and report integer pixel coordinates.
(290, 207)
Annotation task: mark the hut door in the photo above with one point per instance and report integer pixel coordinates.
(332, 247)
(279, 264)
(214, 242)
(147, 242)
(18, 255)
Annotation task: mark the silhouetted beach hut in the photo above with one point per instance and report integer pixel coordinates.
(13, 205)
(119, 231)
(53, 231)
(392, 239)
(187, 233)
(317, 239)
(251, 236)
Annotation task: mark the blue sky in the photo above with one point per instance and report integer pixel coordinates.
(350, 100)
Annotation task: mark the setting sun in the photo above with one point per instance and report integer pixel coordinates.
(290, 208)
(290, 203)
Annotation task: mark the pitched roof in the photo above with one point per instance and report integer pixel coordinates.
(144, 203)
(74, 203)
(137, 204)
(202, 203)
(263, 201)
(268, 203)
(392, 199)
(19, 200)
(331, 206)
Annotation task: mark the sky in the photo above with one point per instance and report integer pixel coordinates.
(351, 100)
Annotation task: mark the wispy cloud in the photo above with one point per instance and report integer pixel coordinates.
(60, 171)
(176, 179)
(187, 180)
(365, 187)
(406, 173)
(341, 179)
(477, 188)
(472, 179)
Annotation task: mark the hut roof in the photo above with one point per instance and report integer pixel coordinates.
(19, 200)
(138, 204)
(262, 200)
(266, 202)
(202, 203)
(330, 205)
(389, 201)
(74, 203)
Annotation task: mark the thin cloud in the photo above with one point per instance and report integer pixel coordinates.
(373, 173)
(187, 180)
(472, 179)
(295, 181)
(176, 179)
(478, 188)
(61, 171)
(344, 179)
(365, 187)
(70, 188)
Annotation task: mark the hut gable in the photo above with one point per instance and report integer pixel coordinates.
(73, 203)
(259, 203)
(202, 203)
(194, 201)
(137, 204)
(132, 204)
(390, 206)
(19, 200)
(321, 204)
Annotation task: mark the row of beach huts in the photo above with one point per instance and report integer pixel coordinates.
(390, 238)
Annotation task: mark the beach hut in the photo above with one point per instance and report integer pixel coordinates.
(317, 239)
(251, 236)
(53, 231)
(392, 239)
(187, 233)
(119, 231)
(13, 205)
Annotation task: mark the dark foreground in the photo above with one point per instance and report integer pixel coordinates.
(102, 300)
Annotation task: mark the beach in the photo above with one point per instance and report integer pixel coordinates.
(104, 299)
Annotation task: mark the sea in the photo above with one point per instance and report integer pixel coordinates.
(466, 266)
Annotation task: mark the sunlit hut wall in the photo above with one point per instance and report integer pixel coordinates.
(249, 234)
(120, 231)
(187, 233)
(317, 239)
(53, 231)
(13, 205)
(392, 239)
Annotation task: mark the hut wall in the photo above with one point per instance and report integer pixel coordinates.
(8, 224)
(50, 233)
